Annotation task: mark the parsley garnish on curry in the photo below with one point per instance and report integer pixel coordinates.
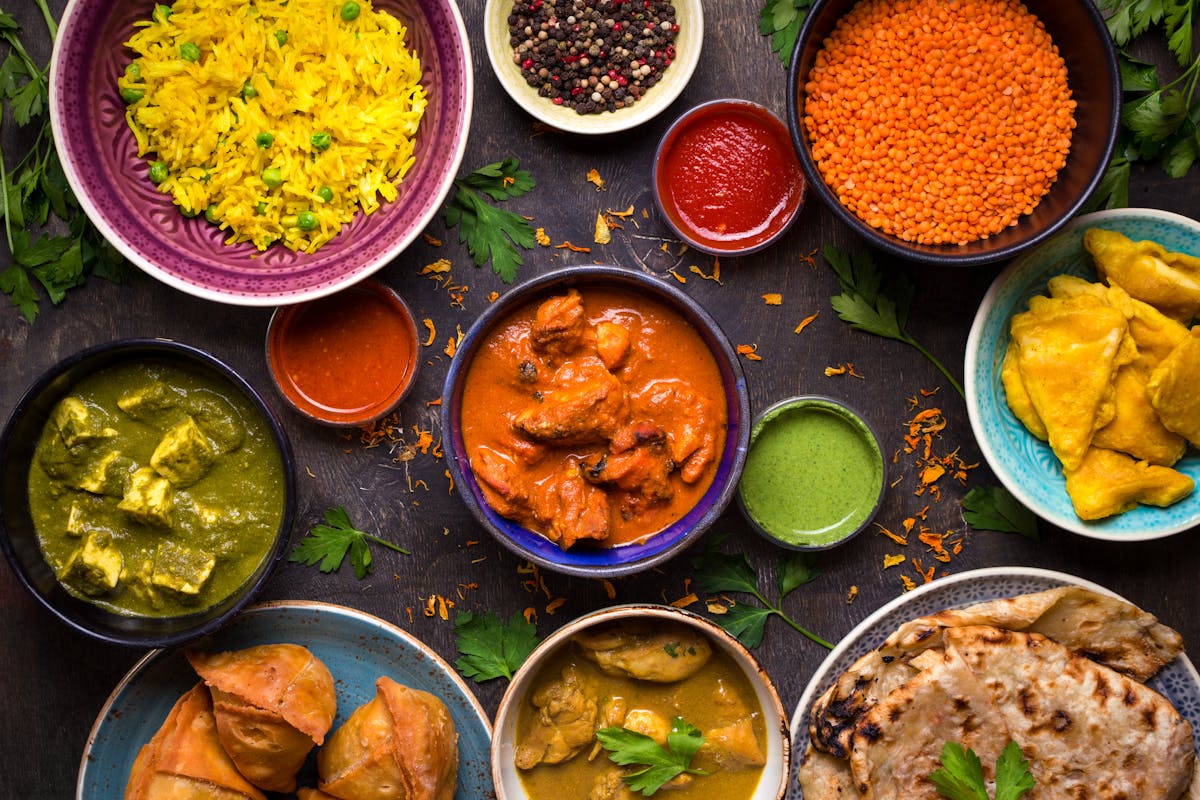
(594, 418)
(155, 490)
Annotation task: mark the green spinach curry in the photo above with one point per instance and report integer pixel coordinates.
(156, 489)
(639, 677)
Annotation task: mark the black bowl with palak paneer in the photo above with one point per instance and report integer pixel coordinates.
(147, 491)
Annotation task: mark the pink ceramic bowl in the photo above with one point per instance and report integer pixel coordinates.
(100, 159)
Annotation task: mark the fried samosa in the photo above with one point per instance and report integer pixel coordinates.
(273, 703)
(1167, 280)
(1174, 388)
(1107, 482)
(400, 745)
(184, 759)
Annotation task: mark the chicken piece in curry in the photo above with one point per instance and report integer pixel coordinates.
(640, 678)
(594, 417)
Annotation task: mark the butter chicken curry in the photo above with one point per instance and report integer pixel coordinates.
(597, 418)
(639, 677)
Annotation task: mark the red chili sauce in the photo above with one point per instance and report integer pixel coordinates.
(346, 359)
(728, 177)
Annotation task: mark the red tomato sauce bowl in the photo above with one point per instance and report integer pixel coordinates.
(345, 359)
(727, 178)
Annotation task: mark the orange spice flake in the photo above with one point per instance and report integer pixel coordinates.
(939, 150)
(773, 299)
(750, 351)
(804, 323)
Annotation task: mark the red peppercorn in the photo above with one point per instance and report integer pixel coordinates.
(527, 63)
(558, 101)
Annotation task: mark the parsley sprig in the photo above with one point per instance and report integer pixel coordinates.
(718, 572)
(326, 546)
(1159, 122)
(492, 233)
(35, 187)
(993, 508)
(490, 648)
(659, 764)
(876, 303)
(782, 20)
(961, 774)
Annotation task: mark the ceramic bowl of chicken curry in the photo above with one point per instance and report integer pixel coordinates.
(596, 420)
(146, 492)
(635, 700)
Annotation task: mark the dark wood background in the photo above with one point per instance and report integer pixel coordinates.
(53, 681)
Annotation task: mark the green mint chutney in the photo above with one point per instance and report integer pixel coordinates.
(813, 475)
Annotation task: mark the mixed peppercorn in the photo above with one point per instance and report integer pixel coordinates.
(593, 55)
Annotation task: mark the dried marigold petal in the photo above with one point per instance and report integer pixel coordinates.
(892, 561)
(894, 537)
(542, 238)
(438, 267)
(685, 601)
(676, 275)
(622, 214)
(555, 605)
(432, 241)
(851, 595)
(831, 371)
(574, 248)
(749, 351)
(804, 323)
(603, 234)
(593, 177)
(908, 583)
(429, 326)
(773, 299)
(610, 590)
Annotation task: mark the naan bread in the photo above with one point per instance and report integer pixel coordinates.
(1088, 732)
(899, 741)
(823, 777)
(1105, 629)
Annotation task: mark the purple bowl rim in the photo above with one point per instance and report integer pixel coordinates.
(898, 247)
(668, 135)
(641, 556)
(287, 459)
(275, 298)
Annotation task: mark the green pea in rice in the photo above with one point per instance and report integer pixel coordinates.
(354, 81)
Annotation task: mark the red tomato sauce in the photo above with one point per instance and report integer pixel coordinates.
(728, 177)
(346, 359)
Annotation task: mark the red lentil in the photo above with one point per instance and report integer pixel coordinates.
(939, 121)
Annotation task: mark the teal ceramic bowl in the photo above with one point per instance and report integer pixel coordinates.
(1023, 463)
(356, 647)
(814, 474)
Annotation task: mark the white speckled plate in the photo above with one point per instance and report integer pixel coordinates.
(357, 648)
(1178, 681)
(1023, 463)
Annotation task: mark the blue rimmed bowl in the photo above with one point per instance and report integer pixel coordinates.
(1024, 464)
(668, 542)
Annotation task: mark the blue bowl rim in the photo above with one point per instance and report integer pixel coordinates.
(250, 590)
(630, 558)
(932, 254)
(847, 411)
(668, 138)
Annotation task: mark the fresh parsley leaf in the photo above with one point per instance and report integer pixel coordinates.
(326, 546)
(1013, 777)
(782, 21)
(1113, 189)
(490, 233)
(795, 570)
(718, 572)
(993, 508)
(491, 649)
(961, 774)
(876, 303)
(660, 765)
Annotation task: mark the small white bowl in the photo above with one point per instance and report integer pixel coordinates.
(689, 14)
(774, 781)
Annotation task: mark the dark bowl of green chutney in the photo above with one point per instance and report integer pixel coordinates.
(814, 474)
(147, 492)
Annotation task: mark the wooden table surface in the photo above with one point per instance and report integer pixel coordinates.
(54, 681)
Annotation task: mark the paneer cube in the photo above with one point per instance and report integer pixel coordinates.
(94, 568)
(148, 498)
(148, 401)
(184, 454)
(76, 521)
(181, 569)
(77, 423)
(104, 475)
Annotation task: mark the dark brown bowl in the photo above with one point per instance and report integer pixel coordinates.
(1078, 30)
(18, 538)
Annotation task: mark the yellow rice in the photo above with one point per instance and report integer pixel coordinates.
(356, 81)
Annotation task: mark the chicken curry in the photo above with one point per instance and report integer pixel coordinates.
(639, 677)
(596, 418)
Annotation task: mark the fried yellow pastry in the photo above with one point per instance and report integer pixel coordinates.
(1135, 427)
(185, 760)
(1067, 351)
(1017, 396)
(1167, 280)
(1174, 388)
(401, 745)
(1107, 482)
(273, 703)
